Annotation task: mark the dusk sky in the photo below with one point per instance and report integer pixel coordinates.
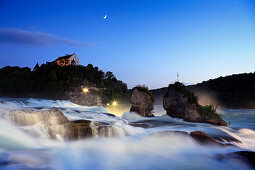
(140, 41)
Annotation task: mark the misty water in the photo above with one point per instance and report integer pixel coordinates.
(125, 142)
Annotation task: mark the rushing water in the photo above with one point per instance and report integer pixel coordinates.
(126, 142)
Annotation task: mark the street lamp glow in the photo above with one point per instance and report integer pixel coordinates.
(108, 104)
(85, 90)
(114, 103)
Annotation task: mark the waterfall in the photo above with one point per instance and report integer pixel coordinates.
(45, 123)
(106, 130)
(52, 124)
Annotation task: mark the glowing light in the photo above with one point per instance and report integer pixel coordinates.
(85, 90)
(108, 104)
(114, 103)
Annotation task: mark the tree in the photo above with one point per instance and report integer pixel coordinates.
(109, 75)
(36, 67)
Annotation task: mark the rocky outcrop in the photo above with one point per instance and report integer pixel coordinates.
(142, 102)
(90, 98)
(179, 102)
(202, 137)
(177, 105)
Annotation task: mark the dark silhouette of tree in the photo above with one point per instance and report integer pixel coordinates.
(36, 67)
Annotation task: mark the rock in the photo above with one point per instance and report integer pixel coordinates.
(142, 103)
(217, 122)
(225, 139)
(77, 129)
(203, 138)
(178, 106)
(179, 102)
(91, 98)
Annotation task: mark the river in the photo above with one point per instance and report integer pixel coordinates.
(128, 141)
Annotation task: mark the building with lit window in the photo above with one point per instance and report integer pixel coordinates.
(67, 60)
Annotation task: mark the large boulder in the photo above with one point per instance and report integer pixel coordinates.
(179, 102)
(141, 101)
(178, 105)
(90, 98)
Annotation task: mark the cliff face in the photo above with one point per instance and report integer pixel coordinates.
(93, 97)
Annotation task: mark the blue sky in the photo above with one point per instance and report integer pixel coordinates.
(141, 41)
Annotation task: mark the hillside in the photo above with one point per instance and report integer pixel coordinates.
(236, 90)
(53, 81)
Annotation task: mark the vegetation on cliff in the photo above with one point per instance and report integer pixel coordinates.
(179, 87)
(145, 89)
(52, 81)
(206, 112)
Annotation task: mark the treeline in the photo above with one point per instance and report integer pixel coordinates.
(53, 81)
(236, 90)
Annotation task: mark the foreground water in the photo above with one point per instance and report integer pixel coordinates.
(126, 142)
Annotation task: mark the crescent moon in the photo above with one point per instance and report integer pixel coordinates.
(105, 16)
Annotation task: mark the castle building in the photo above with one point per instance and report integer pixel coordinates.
(67, 60)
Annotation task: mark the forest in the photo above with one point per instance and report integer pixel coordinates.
(52, 81)
(237, 90)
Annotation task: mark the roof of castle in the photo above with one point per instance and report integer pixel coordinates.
(64, 57)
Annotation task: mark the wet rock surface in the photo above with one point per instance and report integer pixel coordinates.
(216, 122)
(202, 137)
(77, 129)
(224, 139)
(205, 139)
